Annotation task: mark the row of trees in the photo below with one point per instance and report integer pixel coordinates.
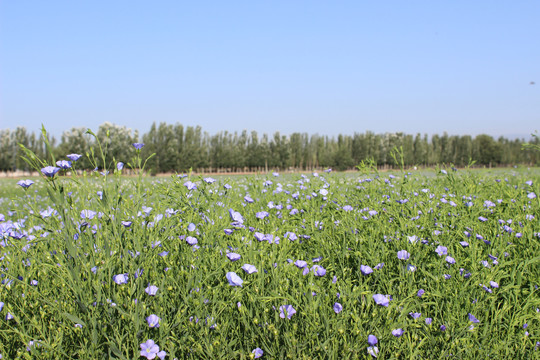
(180, 148)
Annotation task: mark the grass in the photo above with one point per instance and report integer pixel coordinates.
(78, 311)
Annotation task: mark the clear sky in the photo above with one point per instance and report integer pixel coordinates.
(326, 67)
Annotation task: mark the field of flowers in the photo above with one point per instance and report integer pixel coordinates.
(443, 264)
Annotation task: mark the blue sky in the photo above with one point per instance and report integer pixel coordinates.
(323, 67)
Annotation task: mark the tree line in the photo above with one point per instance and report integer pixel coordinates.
(179, 148)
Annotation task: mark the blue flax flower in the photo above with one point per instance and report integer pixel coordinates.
(25, 184)
(381, 299)
(50, 171)
(257, 352)
(415, 315)
(286, 310)
(373, 351)
(403, 255)
(74, 157)
(121, 279)
(365, 270)
(473, 318)
(153, 321)
(250, 269)
(319, 270)
(149, 349)
(151, 290)
(233, 256)
(63, 164)
(234, 280)
(441, 250)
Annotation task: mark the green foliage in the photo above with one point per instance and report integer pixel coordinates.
(74, 243)
(180, 148)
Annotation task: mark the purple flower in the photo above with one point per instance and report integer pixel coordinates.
(234, 280)
(25, 184)
(450, 260)
(209, 180)
(415, 315)
(153, 321)
(119, 166)
(149, 349)
(88, 214)
(138, 146)
(411, 268)
(250, 269)
(236, 217)
(291, 236)
(443, 328)
(337, 308)
(397, 332)
(305, 271)
(151, 290)
(413, 239)
(190, 185)
(403, 255)
(63, 164)
(300, 264)
(482, 219)
(473, 318)
(441, 250)
(318, 270)
(248, 199)
(464, 243)
(192, 240)
(286, 310)
(531, 195)
(493, 284)
(74, 157)
(233, 256)
(420, 293)
(50, 171)
(262, 214)
(347, 208)
(381, 299)
(121, 279)
(127, 223)
(365, 270)
(379, 266)
(257, 352)
(428, 321)
(372, 340)
(373, 351)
